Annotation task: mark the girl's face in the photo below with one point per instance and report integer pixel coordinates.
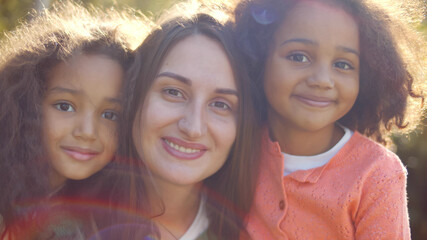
(312, 71)
(187, 124)
(80, 110)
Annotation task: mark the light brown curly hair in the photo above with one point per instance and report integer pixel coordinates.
(27, 54)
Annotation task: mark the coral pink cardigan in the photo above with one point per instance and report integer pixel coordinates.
(359, 194)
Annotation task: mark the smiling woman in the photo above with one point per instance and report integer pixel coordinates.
(189, 124)
(188, 119)
(186, 127)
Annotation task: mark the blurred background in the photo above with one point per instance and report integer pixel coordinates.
(412, 148)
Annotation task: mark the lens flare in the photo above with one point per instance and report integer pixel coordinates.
(263, 15)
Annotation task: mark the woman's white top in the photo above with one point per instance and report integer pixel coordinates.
(200, 223)
(294, 163)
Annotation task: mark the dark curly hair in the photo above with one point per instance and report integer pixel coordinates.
(392, 59)
(27, 54)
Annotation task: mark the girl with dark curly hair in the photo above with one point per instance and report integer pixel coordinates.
(60, 80)
(334, 74)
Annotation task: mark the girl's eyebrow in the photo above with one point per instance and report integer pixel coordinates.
(114, 100)
(62, 89)
(188, 82)
(349, 50)
(311, 42)
(299, 40)
(77, 92)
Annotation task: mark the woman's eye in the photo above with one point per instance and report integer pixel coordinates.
(221, 105)
(64, 107)
(343, 65)
(298, 57)
(173, 92)
(110, 115)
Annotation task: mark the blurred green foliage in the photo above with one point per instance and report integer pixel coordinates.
(11, 11)
(411, 149)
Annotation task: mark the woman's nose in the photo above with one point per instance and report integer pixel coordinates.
(193, 121)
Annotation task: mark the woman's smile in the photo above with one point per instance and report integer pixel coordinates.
(187, 124)
(183, 150)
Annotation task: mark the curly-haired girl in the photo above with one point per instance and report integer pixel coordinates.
(60, 80)
(334, 74)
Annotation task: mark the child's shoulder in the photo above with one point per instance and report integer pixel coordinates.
(365, 151)
(362, 142)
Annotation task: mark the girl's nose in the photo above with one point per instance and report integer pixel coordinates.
(85, 128)
(321, 77)
(193, 122)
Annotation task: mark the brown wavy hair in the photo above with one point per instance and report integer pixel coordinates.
(392, 61)
(27, 54)
(232, 187)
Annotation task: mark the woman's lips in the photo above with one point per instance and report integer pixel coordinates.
(182, 149)
(314, 101)
(81, 154)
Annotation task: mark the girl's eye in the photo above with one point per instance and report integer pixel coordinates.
(343, 65)
(110, 115)
(298, 57)
(64, 107)
(173, 92)
(221, 106)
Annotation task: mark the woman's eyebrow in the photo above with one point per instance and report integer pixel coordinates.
(228, 91)
(175, 76)
(188, 82)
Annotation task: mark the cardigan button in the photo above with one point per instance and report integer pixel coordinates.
(281, 205)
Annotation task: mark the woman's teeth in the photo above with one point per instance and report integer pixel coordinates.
(181, 148)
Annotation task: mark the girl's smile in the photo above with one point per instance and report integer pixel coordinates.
(314, 101)
(81, 154)
(311, 79)
(80, 110)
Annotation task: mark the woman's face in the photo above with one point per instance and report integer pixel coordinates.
(186, 126)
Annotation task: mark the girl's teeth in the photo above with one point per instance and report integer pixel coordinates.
(181, 148)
